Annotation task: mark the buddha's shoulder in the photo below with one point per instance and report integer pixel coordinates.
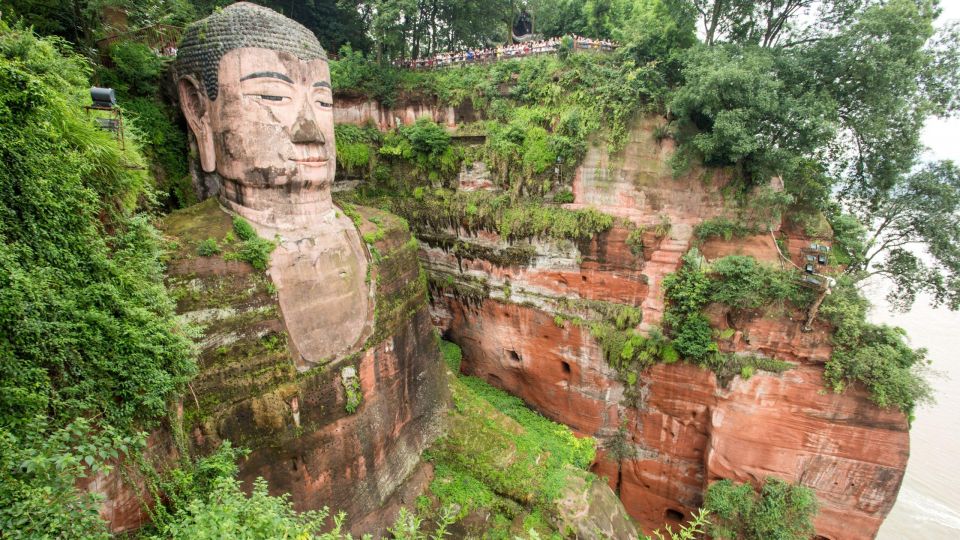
(202, 220)
(201, 240)
(380, 230)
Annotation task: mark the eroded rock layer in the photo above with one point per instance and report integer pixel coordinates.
(307, 433)
(687, 429)
(346, 434)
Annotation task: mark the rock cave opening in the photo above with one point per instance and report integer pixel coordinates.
(674, 515)
(513, 355)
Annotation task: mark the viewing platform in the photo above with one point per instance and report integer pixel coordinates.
(506, 52)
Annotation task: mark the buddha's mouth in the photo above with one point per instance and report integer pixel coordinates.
(312, 161)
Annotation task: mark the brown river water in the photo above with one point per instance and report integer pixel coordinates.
(928, 507)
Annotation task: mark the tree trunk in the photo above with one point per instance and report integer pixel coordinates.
(815, 308)
(714, 21)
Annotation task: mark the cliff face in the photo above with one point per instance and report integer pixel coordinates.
(348, 433)
(687, 429)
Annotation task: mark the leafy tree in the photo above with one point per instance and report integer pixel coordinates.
(757, 22)
(39, 470)
(922, 210)
(746, 106)
(81, 21)
(780, 511)
(656, 31)
(554, 18)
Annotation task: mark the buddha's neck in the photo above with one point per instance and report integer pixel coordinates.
(276, 211)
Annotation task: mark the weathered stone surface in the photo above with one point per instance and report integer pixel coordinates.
(687, 429)
(361, 111)
(591, 510)
(303, 439)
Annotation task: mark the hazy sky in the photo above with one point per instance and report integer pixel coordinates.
(942, 137)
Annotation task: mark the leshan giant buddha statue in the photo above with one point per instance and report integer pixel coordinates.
(336, 399)
(255, 89)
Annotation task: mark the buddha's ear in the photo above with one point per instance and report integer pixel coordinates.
(196, 108)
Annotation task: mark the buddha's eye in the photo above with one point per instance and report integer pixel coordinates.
(272, 98)
(324, 103)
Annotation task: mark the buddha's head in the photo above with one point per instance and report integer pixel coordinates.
(254, 87)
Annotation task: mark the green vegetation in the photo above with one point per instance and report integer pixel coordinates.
(251, 249)
(351, 385)
(635, 241)
(832, 104)
(205, 501)
(563, 197)
(532, 126)
(90, 349)
(780, 510)
(227, 512)
(691, 531)
(756, 213)
(39, 468)
(135, 74)
(426, 146)
(87, 326)
(354, 145)
(437, 210)
(738, 282)
(452, 355)
(208, 248)
(500, 456)
(721, 227)
(876, 356)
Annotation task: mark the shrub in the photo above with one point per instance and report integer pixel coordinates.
(256, 252)
(86, 326)
(252, 249)
(227, 512)
(721, 227)
(208, 248)
(165, 145)
(355, 147)
(39, 470)
(564, 197)
(243, 229)
(693, 339)
(635, 241)
(426, 145)
(742, 283)
(780, 510)
(137, 68)
(876, 356)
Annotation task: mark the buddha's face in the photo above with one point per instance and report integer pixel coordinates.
(271, 126)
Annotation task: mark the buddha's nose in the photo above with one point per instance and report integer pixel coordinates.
(305, 129)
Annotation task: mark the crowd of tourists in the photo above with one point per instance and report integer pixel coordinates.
(501, 52)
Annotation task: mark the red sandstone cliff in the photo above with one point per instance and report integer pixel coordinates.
(688, 430)
(303, 438)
